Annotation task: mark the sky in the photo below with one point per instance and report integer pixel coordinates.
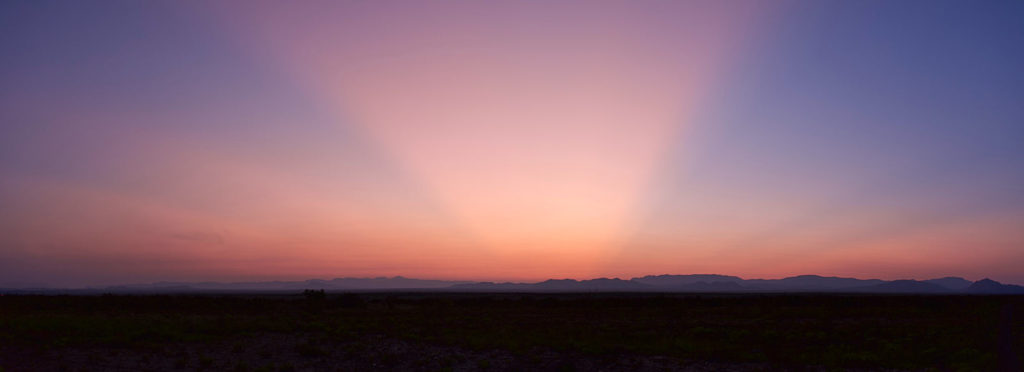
(509, 140)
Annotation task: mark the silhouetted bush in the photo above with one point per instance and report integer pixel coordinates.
(314, 295)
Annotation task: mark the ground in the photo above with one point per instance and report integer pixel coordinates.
(468, 332)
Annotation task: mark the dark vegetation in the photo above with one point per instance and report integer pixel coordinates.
(317, 330)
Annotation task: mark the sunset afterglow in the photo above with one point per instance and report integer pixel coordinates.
(239, 140)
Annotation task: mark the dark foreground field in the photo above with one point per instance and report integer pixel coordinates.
(417, 331)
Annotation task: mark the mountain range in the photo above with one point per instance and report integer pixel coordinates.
(726, 284)
(696, 283)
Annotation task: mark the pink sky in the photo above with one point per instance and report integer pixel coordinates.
(475, 140)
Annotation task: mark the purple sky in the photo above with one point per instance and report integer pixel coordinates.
(183, 140)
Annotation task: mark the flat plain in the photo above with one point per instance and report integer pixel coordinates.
(510, 331)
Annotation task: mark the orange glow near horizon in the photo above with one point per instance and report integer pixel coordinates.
(541, 145)
(487, 141)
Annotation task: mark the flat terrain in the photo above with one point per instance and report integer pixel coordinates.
(439, 331)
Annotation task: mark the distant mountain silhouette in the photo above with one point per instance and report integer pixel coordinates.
(680, 280)
(379, 283)
(712, 287)
(614, 284)
(809, 283)
(989, 286)
(951, 282)
(725, 284)
(650, 283)
(561, 285)
(903, 286)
